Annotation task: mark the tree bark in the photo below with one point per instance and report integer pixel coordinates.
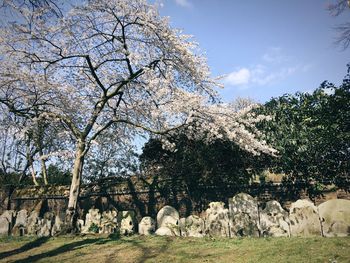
(35, 182)
(71, 213)
(44, 172)
(42, 161)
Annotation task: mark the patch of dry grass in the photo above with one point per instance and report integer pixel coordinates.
(167, 249)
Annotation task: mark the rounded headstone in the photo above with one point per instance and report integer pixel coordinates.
(127, 222)
(335, 217)
(167, 215)
(274, 220)
(147, 226)
(165, 231)
(109, 222)
(217, 220)
(304, 219)
(192, 226)
(20, 227)
(244, 215)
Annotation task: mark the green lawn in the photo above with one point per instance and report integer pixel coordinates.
(168, 249)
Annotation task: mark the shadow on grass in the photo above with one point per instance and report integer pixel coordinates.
(62, 249)
(150, 252)
(33, 244)
(147, 251)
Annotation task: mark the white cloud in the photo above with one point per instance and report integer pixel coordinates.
(262, 76)
(275, 55)
(257, 75)
(183, 3)
(239, 77)
(275, 66)
(306, 67)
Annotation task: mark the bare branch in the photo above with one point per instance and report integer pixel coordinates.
(343, 38)
(339, 7)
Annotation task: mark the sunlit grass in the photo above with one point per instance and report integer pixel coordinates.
(168, 249)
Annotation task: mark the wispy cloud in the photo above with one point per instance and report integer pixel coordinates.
(264, 76)
(183, 3)
(275, 67)
(306, 67)
(275, 55)
(257, 75)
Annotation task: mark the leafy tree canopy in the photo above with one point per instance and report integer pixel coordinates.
(312, 133)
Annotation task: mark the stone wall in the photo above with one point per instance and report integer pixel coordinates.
(146, 197)
(244, 217)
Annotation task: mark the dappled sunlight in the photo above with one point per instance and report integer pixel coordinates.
(173, 249)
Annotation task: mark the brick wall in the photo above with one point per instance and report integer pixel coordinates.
(146, 197)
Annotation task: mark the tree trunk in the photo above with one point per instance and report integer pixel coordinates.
(44, 172)
(39, 144)
(43, 165)
(30, 162)
(71, 213)
(33, 175)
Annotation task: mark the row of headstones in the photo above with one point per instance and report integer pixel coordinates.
(23, 223)
(242, 218)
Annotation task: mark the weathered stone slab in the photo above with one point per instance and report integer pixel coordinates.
(217, 220)
(109, 222)
(304, 219)
(192, 226)
(182, 226)
(244, 216)
(46, 224)
(7, 221)
(33, 224)
(10, 215)
(93, 217)
(127, 222)
(335, 217)
(166, 231)
(57, 226)
(274, 220)
(168, 217)
(5, 226)
(20, 227)
(147, 226)
(80, 225)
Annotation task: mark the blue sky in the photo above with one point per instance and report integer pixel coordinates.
(265, 48)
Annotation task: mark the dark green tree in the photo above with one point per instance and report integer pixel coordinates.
(312, 134)
(204, 171)
(58, 175)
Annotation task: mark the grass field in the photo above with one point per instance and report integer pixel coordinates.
(169, 249)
